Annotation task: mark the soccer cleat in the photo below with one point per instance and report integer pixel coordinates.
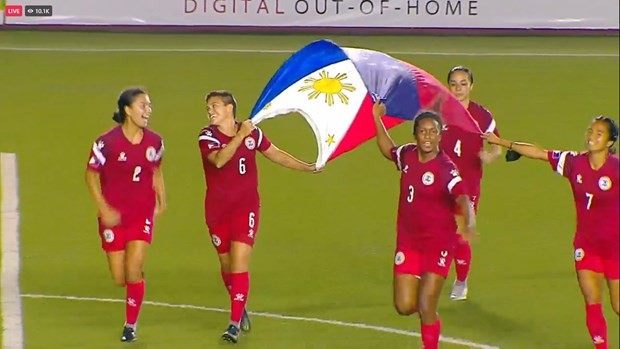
(459, 291)
(129, 334)
(231, 334)
(246, 324)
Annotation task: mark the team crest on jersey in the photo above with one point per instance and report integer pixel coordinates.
(216, 240)
(604, 183)
(579, 254)
(108, 235)
(579, 179)
(151, 154)
(122, 157)
(250, 143)
(399, 259)
(428, 178)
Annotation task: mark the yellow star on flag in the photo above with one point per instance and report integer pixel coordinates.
(330, 139)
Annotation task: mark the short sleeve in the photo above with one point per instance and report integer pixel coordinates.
(561, 162)
(453, 181)
(491, 125)
(160, 153)
(97, 158)
(262, 142)
(207, 142)
(398, 154)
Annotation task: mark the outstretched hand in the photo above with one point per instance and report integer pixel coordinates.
(491, 138)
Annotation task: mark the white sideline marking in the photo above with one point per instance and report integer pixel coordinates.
(239, 50)
(12, 330)
(273, 316)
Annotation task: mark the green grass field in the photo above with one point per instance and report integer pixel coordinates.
(325, 246)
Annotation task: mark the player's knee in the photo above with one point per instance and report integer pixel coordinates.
(119, 280)
(405, 308)
(133, 275)
(615, 304)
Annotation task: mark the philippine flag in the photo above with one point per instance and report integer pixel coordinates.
(334, 89)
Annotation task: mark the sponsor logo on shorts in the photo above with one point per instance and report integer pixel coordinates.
(442, 259)
(604, 183)
(250, 143)
(108, 235)
(579, 254)
(400, 258)
(251, 233)
(216, 240)
(428, 178)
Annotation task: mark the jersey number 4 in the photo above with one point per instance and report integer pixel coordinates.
(457, 148)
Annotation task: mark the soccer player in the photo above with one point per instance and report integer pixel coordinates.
(430, 190)
(595, 182)
(125, 179)
(467, 151)
(232, 204)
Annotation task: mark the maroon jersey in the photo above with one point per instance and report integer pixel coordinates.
(236, 183)
(126, 172)
(596, 196)
(464, 147)
(428, 193)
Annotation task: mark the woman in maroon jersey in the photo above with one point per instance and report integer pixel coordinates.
(595, 182)
(467, 151)
(430, 190)
(125, 179)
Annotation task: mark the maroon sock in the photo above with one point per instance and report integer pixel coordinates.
(135, 296)
(238, 296)
(597, 326)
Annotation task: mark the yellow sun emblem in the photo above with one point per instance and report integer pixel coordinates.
(330, 140)
(328, 86)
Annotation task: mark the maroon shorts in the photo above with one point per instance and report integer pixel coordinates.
(593, 259)
(241, 225)
(436, 260)
(116, 238)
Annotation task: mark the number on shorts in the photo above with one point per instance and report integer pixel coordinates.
(590, 197)
(242, 166)
(136, 173)
(457, 148)
(251, 220)
(411, 192)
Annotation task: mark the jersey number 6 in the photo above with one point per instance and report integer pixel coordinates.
(242, 166)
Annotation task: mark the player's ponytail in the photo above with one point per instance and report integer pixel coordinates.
(125, 99)
(118, 118)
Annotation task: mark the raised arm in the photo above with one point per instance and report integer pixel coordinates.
(219, 158)
(287, 160)
(385, 143)
(528, 150)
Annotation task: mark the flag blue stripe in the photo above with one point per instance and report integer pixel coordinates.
(389, 79)
(311, 58)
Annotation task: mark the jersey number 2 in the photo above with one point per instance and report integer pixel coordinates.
(136, 173)
(457, 148)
